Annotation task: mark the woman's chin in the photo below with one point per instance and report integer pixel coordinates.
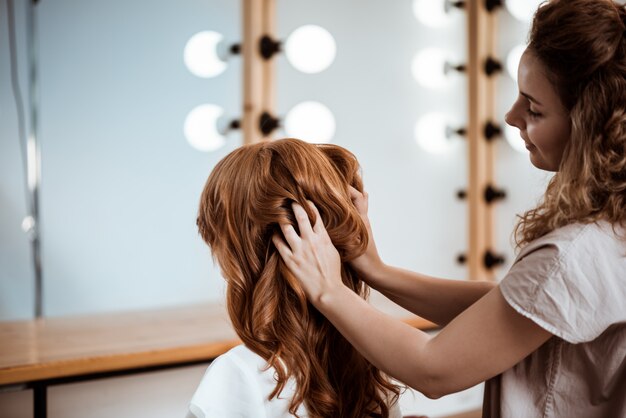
(538, 161)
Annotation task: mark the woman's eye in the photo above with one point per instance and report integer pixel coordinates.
(533, 114)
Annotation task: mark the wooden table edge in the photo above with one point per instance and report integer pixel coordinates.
(114, 362)
(126, 361)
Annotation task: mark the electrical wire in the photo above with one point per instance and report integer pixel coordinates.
(19, 103)
(31, 227)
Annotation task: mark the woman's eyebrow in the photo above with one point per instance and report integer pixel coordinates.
(531, 98)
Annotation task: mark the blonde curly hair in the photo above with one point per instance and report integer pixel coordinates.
(582, 44)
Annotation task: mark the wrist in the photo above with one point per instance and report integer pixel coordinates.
(330, 297)
(367, 263)
(373, 272)
(377, 270)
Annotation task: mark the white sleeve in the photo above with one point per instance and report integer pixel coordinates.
(568, 290)
(394, 410)
(224, 392)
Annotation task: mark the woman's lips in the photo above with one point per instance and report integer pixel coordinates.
(529, 146)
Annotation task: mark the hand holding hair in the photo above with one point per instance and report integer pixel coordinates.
(249, 193)
(369, 262)
(311, 257)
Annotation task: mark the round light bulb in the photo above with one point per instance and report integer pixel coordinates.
(512, 135)
(310, 49)
(311, 122)
(429, 68)
(431, 133)
(523, 10)
(431, 12)
(513, 58)
(201, 56)
(201, 127)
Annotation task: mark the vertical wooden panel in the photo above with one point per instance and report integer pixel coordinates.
(489, 115)
(480, 108)
(269, 87)
(258, 73)
(252, 70)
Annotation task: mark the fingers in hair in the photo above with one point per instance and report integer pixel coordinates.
(291, 236)
(354, 193)
(282, 247)
(318, 227)
(302, 218)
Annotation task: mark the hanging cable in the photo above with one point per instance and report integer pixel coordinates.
(17, 96)
(29, 146)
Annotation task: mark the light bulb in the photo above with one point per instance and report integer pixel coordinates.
(310, 49)
(200, 127)
(311, 122)
(201, 55)
(523, 10)
(429, 68)
(513, 59)
(431, 12)
(512, 135)
(432, 133)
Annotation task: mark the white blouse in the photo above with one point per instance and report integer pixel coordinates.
(236, 385)
(572, 283)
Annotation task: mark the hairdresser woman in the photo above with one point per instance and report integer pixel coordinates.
(550, 339)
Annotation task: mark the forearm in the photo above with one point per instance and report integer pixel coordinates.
(397, 348)
(437, 300)
(485, 340)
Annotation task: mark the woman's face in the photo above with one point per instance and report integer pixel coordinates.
(538, 113)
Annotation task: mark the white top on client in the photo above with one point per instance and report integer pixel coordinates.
(236, 384)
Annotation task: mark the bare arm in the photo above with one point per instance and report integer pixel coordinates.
(484, 340)
(437, 300)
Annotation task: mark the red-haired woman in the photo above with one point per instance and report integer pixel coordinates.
(550, 339)
(293, 362)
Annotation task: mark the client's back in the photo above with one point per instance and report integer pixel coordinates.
(308, 368)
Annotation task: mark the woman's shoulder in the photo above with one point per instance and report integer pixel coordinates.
(238, 365)
(562, 279)
(591, 253)
(244, 357)
(230, 385)
(575, 239)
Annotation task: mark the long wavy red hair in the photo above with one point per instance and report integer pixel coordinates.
(245, 198)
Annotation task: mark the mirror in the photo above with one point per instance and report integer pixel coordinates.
(120, 182)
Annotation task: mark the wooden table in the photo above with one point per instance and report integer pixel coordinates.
(39, 353)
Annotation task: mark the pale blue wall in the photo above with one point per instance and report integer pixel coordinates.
(120, 184)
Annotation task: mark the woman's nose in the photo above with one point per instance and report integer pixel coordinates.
(508, 118)
(512, 117)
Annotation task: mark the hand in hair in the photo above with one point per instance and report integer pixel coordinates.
(310, 256)
(369, 262)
